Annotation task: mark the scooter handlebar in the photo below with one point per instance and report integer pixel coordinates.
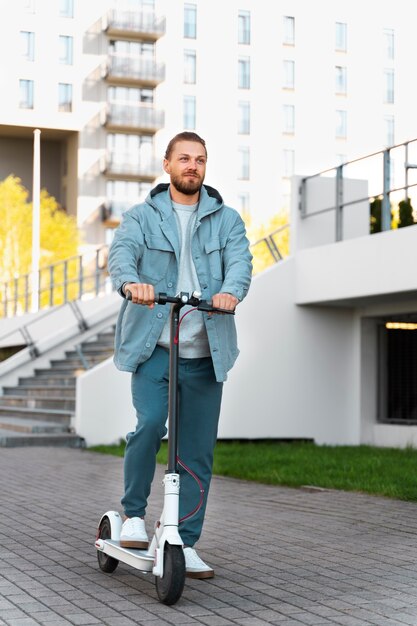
(185, 298)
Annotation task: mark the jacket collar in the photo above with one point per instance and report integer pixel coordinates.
(209, 202)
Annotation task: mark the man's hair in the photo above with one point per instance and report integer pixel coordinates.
(184, 136)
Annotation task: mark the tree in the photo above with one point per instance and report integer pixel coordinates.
(260, 235)
(59, 235)
(376, 215)
(405, 211)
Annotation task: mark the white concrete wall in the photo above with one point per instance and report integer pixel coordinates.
(105, 412)
(295, 376)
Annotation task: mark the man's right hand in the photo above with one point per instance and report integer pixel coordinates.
(141, 293)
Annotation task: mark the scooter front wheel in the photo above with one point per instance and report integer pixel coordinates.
(106, 563)
(170, 587)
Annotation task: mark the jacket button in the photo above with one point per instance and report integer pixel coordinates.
(169, 284)
(148, 345)
(159, 315)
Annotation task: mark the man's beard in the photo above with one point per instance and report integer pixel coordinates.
(189, 186)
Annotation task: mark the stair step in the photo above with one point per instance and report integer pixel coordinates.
(90, 353)
(52, 415)
(74, 363)
(21, 425)
(52, 381)
(56, 372)
(40, 391)
(34, 402)
(12, 440)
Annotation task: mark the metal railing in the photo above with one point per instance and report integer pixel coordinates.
(59, 283)
(388, 174)
(86, 275)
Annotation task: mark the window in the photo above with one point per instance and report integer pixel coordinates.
(243, 163)
(66, 8)
(189, 113)
(244, 204)
(389, 44)
(389, 130)
(341, 80)
(26, 94)
(341, 124)
(289, 30)
(190, 66)
(127, 95)
(64, 97)
(122, 195)
(288, 158)
(289, 118)
(190, 21)
(289, 74)
(65, 50)
(341, 36)
(27, 40)
(243, 31)
(389, 86)
(244, 73)
(243, 119)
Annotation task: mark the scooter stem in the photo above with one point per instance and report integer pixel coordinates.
(173, 401)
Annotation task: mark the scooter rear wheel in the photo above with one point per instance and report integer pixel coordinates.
(106, 563)
(170, 587)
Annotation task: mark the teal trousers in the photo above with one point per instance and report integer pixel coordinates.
(199, 408)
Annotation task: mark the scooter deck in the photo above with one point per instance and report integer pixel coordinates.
(139, 559)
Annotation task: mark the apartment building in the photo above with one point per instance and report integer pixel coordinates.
(274, 88)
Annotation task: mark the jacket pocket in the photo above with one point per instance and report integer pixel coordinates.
(214, 250)
(156, 257)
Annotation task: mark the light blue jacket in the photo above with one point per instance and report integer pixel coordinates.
(146, 249)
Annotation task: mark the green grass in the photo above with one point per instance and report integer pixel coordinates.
(387, 472)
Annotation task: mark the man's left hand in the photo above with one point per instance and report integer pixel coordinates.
(224, 301)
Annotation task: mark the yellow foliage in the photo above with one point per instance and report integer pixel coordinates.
(59, 239)
(275, 231)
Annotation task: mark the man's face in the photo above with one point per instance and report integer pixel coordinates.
(187, 166)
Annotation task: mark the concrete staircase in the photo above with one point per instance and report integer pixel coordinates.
(39, 411)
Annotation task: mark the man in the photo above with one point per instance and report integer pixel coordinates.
(182, 238)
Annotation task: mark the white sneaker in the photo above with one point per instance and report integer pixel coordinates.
(133, 534)
(194, 566)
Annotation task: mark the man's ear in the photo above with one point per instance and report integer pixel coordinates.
(166, 166)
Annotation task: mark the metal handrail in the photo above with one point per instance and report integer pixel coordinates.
(59, 283)
(73, 278)
(27, 337)
(387, 189)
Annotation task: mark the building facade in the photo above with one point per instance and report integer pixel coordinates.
(274, 88)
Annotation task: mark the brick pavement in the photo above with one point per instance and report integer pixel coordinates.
(282, 556)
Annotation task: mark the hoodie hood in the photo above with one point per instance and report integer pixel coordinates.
(210, 200)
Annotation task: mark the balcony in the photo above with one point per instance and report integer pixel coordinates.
(140, 25)
(134, 71)
(127, 166)
(112, 212)
(133, 117)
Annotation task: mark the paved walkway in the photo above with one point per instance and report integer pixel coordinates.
(281, 556)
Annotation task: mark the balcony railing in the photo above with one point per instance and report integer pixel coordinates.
(139, 116)
(391, 176)
(86, 275)
(64, 281)
(127, 165)
(142, 23)
(112, 211)
(135, 69)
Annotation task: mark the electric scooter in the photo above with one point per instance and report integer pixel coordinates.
(165, 556)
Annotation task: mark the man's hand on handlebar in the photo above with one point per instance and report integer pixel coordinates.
(141, 293)
(225, 301)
